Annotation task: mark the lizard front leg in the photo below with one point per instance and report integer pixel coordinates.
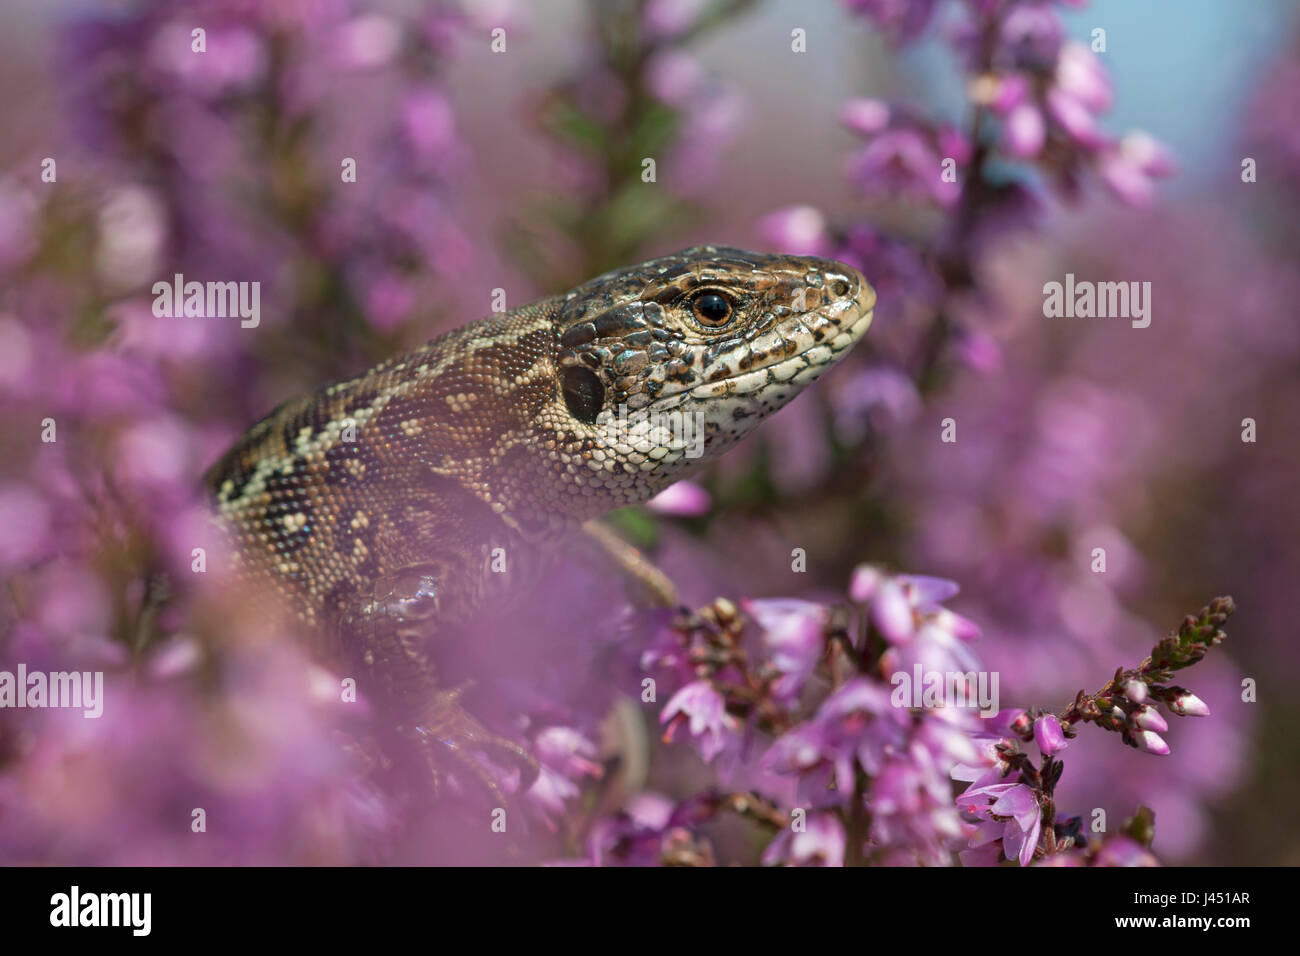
(390, 631)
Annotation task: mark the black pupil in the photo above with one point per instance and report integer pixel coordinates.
(583, 393)
(712, 307)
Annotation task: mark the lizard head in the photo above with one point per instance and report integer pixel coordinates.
(666, 364)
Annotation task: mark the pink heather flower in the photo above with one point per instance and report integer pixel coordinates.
(367, 42)
(1135, 690)
(926, 592)
(864, 582)
(1025, 131)
(858, 724)
(1147, 153)
(1013, 816)
(904, 20)
(821, 843)
(953, 143)
(389, 300)
(1008, 92)
(1189, 705)
(947, 735)
(859, 721)
(1075, 858)
(988, 767)
(902, 161)
(988, 854)
(908, 761)
(980, 352)
(634, 836)
(568, 751)
(667, 650)
(1081, 76)
(156, 453)
(875, 398)
(1048, 735)
(674, 77)
(1010, 722)
(1131, 168)
(1032, 34)
(938, 646)
(891, 613)
(858, 697)
(1124, 851)
(793, 638)
(902, 605)
(1148, 718)
(806, 753)
(954, 625)
(797, 230)
(428, 122)
(701, 707)
(1075, 118)
(912, 808)
(1128, 183)
(549, 793)
(236, 58)
(182, 655)
(906, 610)
(26, 518)
(683, 499)
(1152, 742)
(664, 19)
(865, 116)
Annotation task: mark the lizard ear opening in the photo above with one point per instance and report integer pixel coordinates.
(583, 393)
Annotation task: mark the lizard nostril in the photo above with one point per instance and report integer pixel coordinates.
(839, 288)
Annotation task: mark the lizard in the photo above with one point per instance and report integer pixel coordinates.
(371, 507)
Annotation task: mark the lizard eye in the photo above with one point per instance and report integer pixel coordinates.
(711, 308)
(584, 395)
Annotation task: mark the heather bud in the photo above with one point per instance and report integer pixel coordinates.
(1048, 735)
(1189, 705)
(1148, 718)
(1020, 726)
(1151, 742)
(1135, 690)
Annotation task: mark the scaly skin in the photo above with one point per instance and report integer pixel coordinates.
(371, 507)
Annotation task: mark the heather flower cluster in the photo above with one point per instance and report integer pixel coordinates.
(849, 770)
(1036, 104)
